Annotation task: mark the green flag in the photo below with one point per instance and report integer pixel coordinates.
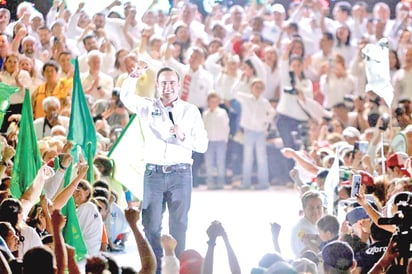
(83, 136)
(5, 92)
(81, 127)
(27, 160)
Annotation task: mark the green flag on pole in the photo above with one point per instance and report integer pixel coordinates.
(27, 160)
(83, 136)
(5, 92)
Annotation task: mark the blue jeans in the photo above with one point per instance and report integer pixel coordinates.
(215, 157)
(286, 126)
(173, 190)
(255, 141)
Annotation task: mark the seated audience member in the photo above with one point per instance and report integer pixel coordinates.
(43, 126)
(338, 257)
(328, 227)
(52, 86)
(305, 233)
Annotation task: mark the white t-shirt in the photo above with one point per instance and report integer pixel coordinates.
(91, 224)
(31, 239)
(303, 226)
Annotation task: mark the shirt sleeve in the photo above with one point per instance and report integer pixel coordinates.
(170, 265)
(131, 101)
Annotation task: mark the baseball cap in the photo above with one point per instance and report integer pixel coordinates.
(356, 214)
(281, 267)
(398, 159)
(351, 132)
(366, 178)
(278, 8)
(304, 265)
(190, 262)
(338, 255)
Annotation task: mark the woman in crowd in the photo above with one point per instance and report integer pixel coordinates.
(8, 234)
(343, 45)
(336, 83)
(12, 75)
(90, 220)
(27, 65)
(11, 211)
(50, 87)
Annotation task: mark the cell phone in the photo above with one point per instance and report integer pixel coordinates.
(361, 146)
(356, 183)
(385, 121)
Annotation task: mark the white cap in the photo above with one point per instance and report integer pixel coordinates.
(278, 8)
(351, 132)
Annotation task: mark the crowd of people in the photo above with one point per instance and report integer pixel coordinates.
(284, 98)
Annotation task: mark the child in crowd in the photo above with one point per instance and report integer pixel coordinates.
(328, 227)
(216, 122)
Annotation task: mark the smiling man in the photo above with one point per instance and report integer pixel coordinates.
(173, 129)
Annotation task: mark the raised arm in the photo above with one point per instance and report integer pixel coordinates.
(61, 199)
(58, 222)
(233, 262)
(147, 257)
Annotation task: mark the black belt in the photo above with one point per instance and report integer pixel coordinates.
(167, 168)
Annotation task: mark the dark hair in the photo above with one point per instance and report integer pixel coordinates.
(102, 184)
(100, 192)
(116, 58)
(106, 163)
(52, 64)
(8, 57)
(344, 7)
(165, 69)
(87, 37)
(294, 26)
(329, 223)
(44, 27)
(343, 43)
(379, 234)
(85, 185)
(9, 211)
(328, 35)
(33, 216)
(38, 259)
(297, 39)
(250, 64)
(5, 228)
(398, 63)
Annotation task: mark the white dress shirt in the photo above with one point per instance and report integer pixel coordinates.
(161, 147)
(256, 113)
(105, 83)
(201, 83)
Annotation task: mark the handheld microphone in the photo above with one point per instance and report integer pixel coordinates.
(169, 111)
(171, 115)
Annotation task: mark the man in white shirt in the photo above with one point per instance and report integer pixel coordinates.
(96, 83)
(173, 129)
(197, 82)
